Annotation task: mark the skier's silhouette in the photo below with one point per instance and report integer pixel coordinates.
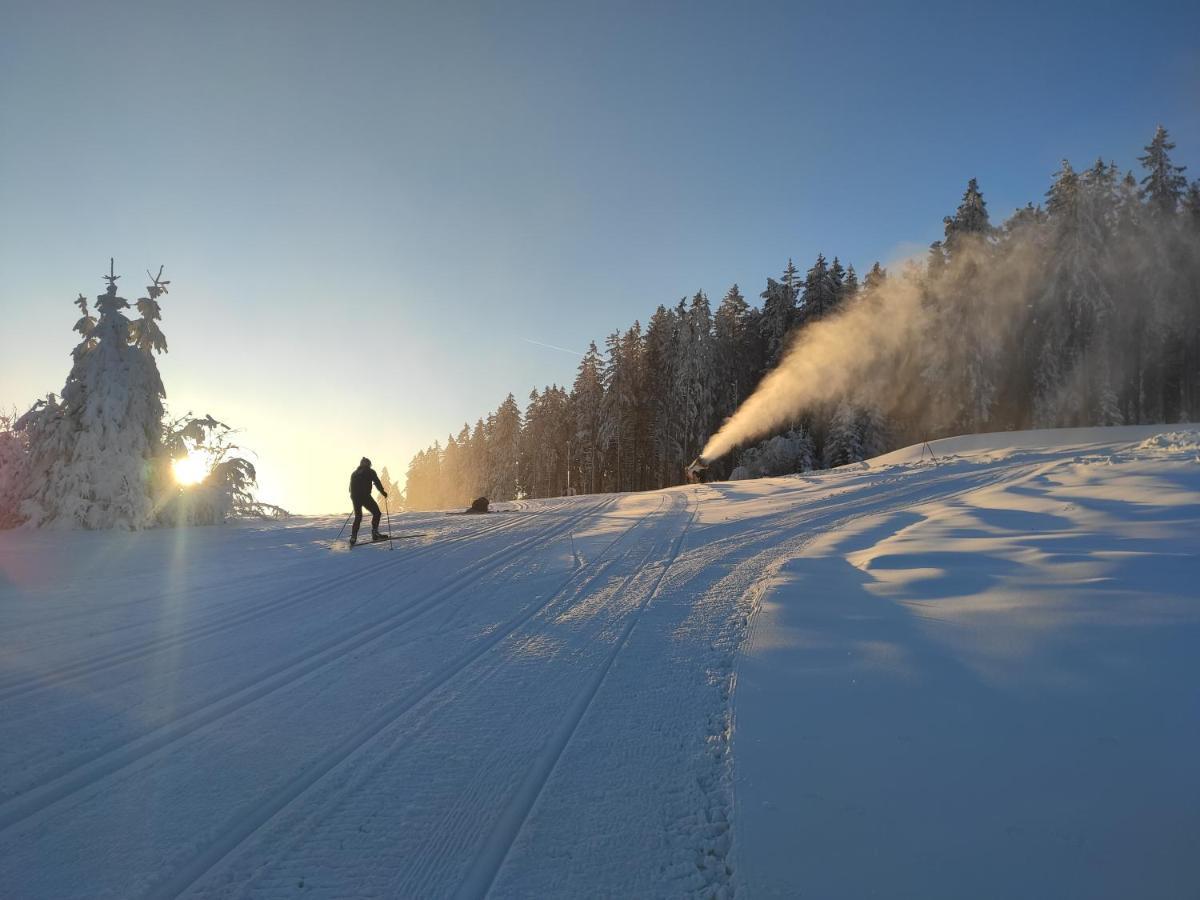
(361, 480)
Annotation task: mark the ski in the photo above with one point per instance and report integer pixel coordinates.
(388, 537)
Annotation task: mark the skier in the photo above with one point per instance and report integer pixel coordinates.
(361, 480)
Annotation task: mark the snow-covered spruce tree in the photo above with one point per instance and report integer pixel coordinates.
(659, 364)
(587, 399)
(95, 452)
(694, 386)
(100, 455)
(843, 444)
(1074, 374)
(1164, 183)
(778, 314)
(960, 379)
(820, 293)
(14, 472)
(505, 446)
(876, 277)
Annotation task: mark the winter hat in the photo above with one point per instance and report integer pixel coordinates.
(365, 462)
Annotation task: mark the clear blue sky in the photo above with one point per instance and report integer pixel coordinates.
(368, 209)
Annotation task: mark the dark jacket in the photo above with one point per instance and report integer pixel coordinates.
(361, 480)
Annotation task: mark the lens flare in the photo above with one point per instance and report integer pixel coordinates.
(191, 469)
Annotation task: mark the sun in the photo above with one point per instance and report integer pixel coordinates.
(191, 469)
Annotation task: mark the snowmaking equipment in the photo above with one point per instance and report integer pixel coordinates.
(697, 470)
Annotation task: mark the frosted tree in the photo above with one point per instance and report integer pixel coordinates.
(693, 382)
(504, 448)
(1163, 185)
(227, 489)
(820, 294)
(843, 444)
(1074, 373)
(734, 353)
(875, 277)
(96, 451)
(14, 472)
(624, 430)
(970, 219)
(783, 454)
(961, 377)
(837, 282)
(659, 364)
(587, 399)
(874, 432)
(850, 286)
(778, 314)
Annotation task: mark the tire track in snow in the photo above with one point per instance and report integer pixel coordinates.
(80, 775)
(237, 831)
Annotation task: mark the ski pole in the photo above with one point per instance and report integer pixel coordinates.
(391, 543)
(343, 528)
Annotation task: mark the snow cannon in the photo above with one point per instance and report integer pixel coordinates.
(697, 471)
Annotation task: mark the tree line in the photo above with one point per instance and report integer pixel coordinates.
(1081, 311)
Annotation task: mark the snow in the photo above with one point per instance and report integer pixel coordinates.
(896, 678)
(988, 689)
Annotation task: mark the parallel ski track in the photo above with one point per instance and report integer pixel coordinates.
(439, 539)
(226, 619)
(106, 762)
(483, 667)
(242, 828)
(488, 863)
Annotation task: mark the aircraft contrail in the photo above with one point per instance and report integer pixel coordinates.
(551, 347)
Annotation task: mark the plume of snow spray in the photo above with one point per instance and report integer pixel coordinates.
(907, 347)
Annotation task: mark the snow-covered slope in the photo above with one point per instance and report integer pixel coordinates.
(966, 679)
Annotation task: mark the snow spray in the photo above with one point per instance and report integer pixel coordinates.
(911, 346)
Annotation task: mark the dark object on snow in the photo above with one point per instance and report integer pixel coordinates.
(361, 480)
(479, 506)
(697, 472)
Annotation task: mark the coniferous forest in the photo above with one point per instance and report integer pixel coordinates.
(1083, 310)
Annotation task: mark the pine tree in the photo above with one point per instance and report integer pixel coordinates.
(505, 451)
(875, 278)
(659, 366)
(587, 397)
(837, 282)
(820, 291)
(733, 350)
(851, 287)
(778, 314)
(971, 218)
(1164, 184)
(844, 443)
(14, 472)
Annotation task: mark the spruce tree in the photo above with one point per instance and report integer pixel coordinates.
(820, 292)
(1164, 184)
(587, 397)
(971, 218)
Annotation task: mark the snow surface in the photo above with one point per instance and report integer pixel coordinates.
(975, 678)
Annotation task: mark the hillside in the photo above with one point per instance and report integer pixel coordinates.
(900, 678)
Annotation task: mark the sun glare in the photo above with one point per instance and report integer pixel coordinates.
(192, 468)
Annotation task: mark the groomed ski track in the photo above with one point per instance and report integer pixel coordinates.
(532, 703)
